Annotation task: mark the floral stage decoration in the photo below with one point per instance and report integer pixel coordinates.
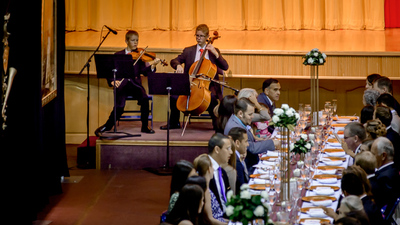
(285, 117)
(301, 146)
(314, 57)
(247, 208)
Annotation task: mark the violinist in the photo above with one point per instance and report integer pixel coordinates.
(131, 86)
(188, 57)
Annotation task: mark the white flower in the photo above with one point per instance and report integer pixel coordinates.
(259, 211)
(324, 55)
(244, 187)
(275, 119)
(308, 53)
(297, 115)
(289, 113)
(310, 61)
(267, 206)
(315, 50)
(303, 136)
(311, 136)
(321, 61)
(300, 163)
(229, 195)
(308, 145)
(264, 195)
(229, 210)
(285, 106)
(296, 172)
(245, 194)
(293, 110)
(291, 146)
(270, 221)
(316, 54)
(278, 111)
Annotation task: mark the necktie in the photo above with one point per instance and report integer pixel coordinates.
(221, 183)
(201, 51)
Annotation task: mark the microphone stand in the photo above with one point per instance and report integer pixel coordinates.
(87, 66)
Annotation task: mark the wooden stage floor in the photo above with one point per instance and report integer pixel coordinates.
(237, 41)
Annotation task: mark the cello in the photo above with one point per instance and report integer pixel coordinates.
(200, 96)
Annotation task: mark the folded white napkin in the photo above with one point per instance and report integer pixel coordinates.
(311, 222)
(327, 202)
(272, 153)
(332, 171)
(336, 154)
(324, 191)
(316, 212)
(327, 181)
(335, 144)
(333, 163)
(260, 181)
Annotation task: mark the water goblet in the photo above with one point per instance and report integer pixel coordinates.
(277, 187)
(302, 124)
(334, 106)
(272, 197)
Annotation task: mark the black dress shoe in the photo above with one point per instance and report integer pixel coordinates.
(147, 130)
(171, 126)
(101, 129)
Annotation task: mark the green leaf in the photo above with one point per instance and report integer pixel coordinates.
(248, 214)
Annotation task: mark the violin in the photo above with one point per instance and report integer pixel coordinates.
(140, 53)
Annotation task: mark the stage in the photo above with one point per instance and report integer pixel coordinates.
(252, 56)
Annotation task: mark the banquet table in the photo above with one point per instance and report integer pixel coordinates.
(336, 127)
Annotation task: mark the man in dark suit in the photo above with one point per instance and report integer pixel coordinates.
(367, 161)
(271, 92)
(242, 117)
(131, 85)
(219, 151)
(385, 116)
(241, 142)
(387, 174)
(188, 57)
(352, 184)
(384, 85)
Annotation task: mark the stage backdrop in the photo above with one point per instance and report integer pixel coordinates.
(184, 15)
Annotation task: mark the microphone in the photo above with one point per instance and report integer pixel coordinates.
(113, 31)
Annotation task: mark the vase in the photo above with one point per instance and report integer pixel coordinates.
(314, 95)
(285, 163)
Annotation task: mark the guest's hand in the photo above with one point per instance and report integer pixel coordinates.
(329, 212)
(347, 150)
(117, 83)
(277, 144)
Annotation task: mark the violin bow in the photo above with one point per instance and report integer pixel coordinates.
(140, 56)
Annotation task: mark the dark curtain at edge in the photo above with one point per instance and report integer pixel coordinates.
(392, 13)
(33, 145)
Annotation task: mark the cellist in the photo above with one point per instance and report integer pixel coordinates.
(190, 55)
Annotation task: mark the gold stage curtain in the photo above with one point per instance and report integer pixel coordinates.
(185, 15)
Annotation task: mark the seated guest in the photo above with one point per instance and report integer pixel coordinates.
(188, 207)
(367, 161)
(212, 210)
(375, 129)
(367, 113)
(384, 85)
(243, 116)
(224, 111)
(219, 152)
(354, 135)
(388, 101)
(387, 175)
(370, 96)
(181, 171)
(230, 169)
(383, 114)
(354, 182)
(350, 205)
(270, 95)
(347, 220)
(366, 145)
(260, 116)
(241, 142)
(371, 79)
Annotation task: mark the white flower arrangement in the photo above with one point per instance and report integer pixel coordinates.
(314, 57)
(246, 207)
(301, 146)
(285, 117)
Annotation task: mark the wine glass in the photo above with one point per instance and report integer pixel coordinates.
(277, 187)
(302, 124)
(322, 121)
(327, 105)
(334, 106)
(307, 110)
(272, 197)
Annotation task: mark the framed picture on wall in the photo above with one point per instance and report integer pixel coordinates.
(49, 54)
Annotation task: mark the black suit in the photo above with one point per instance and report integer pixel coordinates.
(187, 57)
(214, 189)
(372, 211)
(396, 106)
(241, 175)
(131, 86)
(394, 137)
(388, 180)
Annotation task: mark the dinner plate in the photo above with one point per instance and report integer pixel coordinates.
(335, 188)
(326, 176)
(339, 132)
(260, 176)
(318, 198)
(258, 186)
(343, 121)
(310, 220)
(336, 154)
(306, 209)
(332, 140)
(338, 125)
(269, 158)
(351, 118)
(330, 150)
(333, 158)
